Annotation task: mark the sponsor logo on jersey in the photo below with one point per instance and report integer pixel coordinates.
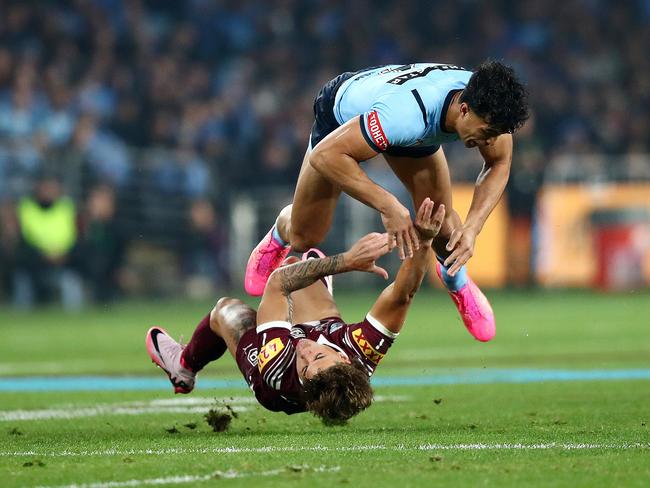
(376, 131)
(368, 351)
(252, 357)
(269, 351)
(335, 326)
(297, 333)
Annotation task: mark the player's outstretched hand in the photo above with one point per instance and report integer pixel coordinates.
(427, 223)
(363, 254)
(461, 243)
(400, 232)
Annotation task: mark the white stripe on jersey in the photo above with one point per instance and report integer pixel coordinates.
(269, 325)
(273, 376)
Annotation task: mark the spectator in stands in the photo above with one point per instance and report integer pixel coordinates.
(231, 83)
(101, 244)
(204, 250)
(45, 255)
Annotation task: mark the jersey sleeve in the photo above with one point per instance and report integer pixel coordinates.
(396, 119)
(276, 352)
(369, 341)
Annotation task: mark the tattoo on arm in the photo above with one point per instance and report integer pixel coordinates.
(290, 309)
(301, 275)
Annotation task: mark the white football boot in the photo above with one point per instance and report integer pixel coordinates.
(166, 353)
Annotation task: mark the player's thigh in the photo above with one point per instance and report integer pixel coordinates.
(428, 177)
(313, 208)
(423, 177)
(230, 319)
(313, 303)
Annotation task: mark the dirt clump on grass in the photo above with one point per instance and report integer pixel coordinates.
(218, 419)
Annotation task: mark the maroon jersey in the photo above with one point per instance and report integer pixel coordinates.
(267, 355)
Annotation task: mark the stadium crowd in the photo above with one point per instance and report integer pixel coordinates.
(186, 102)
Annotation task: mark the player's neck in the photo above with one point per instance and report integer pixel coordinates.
(453, 112)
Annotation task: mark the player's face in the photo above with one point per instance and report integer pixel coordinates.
(312, 358)
(473, 130)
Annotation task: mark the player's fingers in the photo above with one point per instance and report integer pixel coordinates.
(453, 240)
(463, 258)
(408, 245)
(419, 217)
(437, 218)
(414, 238)
(452, 258)
(399, 243)
(428, 208)
(378, 246)
(390, 241)
(380, 271)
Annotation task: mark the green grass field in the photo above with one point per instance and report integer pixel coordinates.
(540, 433)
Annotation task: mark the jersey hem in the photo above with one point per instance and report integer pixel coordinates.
(270, 325)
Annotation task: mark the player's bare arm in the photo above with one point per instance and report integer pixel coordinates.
(360, 257)
(337, 158)
(489, 187)
(392, 305)
(287, 279)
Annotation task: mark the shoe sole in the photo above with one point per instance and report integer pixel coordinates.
(152, 350)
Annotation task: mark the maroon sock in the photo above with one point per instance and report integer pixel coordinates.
(204, 346)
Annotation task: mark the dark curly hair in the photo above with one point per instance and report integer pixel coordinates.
(496, 95)
(338, 393)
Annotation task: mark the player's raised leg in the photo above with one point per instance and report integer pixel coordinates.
(299, 226)
(220, 329)
(428, 176)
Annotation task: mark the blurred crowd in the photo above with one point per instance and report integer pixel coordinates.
(186, 102)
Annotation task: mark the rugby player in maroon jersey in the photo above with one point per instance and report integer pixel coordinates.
(296, 353)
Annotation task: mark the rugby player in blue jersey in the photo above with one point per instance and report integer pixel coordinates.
(406, 113)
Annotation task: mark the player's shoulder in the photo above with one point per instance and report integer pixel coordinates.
(369, 339)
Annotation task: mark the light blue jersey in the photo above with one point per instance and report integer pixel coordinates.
(403, 106)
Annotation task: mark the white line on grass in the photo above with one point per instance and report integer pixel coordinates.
(96, 411)
(172, 405)
(371, 447)
(188, 478)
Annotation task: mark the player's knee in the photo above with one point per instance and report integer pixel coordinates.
(300, 242)
(231, 314)
(285, 214)
(220, 311)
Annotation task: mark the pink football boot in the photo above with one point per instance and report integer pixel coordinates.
(264, 259)
(474, 308)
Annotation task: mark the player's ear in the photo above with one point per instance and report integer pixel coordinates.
(464, 109)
